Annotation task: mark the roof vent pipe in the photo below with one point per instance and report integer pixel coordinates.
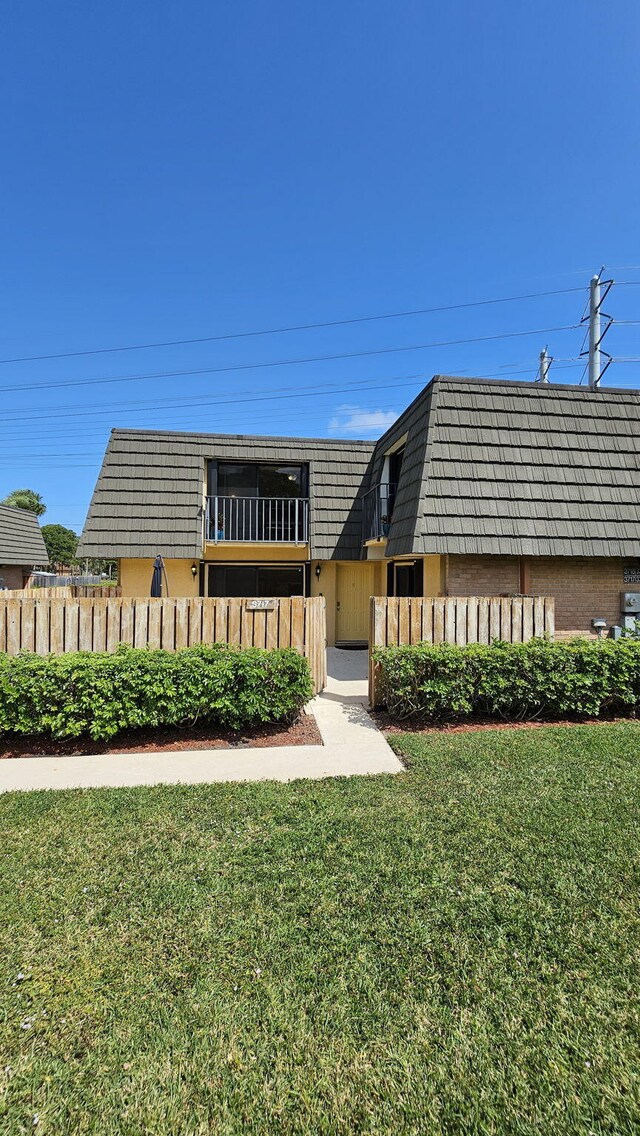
(545, 362)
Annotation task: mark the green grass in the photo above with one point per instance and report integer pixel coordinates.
(453, 950)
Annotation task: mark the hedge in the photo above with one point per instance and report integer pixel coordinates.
(513, 681)
(101, 694)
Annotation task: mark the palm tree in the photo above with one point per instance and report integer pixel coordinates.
(26, 499)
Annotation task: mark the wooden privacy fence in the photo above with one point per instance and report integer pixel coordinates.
(398, 620)
(60, 625)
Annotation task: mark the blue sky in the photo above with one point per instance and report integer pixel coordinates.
(176, 171)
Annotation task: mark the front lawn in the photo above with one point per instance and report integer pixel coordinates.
(452, 950)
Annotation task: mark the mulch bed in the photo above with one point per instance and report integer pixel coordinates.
(163, 740)
(392, 726)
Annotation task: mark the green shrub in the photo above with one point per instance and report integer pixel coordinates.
(102, 694)
(539, 679)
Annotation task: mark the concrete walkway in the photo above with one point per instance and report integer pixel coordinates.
(352, 745)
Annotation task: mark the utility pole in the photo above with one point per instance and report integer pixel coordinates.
(545, 362)
(594, 332)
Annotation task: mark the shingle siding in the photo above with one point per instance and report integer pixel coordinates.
(21, 541)
(149, 494)
(519, 469)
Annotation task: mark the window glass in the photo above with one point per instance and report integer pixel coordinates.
(280, 481)
(395, 465)
(253, 479)
(280, 581)
(255, 580)
(237, 479)
(408, 581)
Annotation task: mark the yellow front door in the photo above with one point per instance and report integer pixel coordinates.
(354, 588)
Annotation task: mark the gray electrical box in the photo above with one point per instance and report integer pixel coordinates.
(630, 602)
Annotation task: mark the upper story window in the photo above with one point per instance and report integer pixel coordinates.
(395, 466)
(257, 502)
(257, 479)
(379, 502)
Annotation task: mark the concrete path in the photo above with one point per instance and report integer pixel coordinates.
(352, 745)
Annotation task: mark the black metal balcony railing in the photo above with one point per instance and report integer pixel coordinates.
(275, 520)
(377, 510)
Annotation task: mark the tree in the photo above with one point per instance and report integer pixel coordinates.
(61, 543)
(26, 499)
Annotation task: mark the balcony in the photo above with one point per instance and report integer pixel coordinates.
(377, 511)
(257, 520)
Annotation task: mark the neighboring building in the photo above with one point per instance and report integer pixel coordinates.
(21, 546)
(481, 487)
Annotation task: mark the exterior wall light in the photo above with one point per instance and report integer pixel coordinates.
(318, 571)
(194, 570)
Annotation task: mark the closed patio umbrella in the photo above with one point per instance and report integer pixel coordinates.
(156, 579)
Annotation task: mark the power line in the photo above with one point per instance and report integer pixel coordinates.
(403, 380)
(288, 393)
(288, 362)
(286, 330)
(197, 399)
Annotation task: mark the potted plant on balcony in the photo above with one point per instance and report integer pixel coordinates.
(220, 528)
(385, 524)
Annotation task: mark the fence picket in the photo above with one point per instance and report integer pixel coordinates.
(461, 621)
(438, 621)
(154, 623)
(126, 621)
(85, 626)
(392, 621)
(527, 618)
(28, 629)
(56, 627)
(494, 619)
(99, 625)
(141, 623)
(195, 621)
(297, 623)
(71, 624)
(415, 621)
(472, 619)
(403, 620)
(14, 621)
(483, 620)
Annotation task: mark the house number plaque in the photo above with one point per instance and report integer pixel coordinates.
(260, 605)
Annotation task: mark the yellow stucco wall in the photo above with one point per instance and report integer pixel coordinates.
(434, 576)
(326, 586)
(135, 577)
(256, 553)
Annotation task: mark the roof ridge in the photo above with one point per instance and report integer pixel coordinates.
(260, 437)
(531, 384)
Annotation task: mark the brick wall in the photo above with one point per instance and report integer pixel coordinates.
(583, 588)
(11, 576)
(482, 575)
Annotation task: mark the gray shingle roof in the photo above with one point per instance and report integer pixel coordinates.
(21, 540)
(149, 494)
(493, 466)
